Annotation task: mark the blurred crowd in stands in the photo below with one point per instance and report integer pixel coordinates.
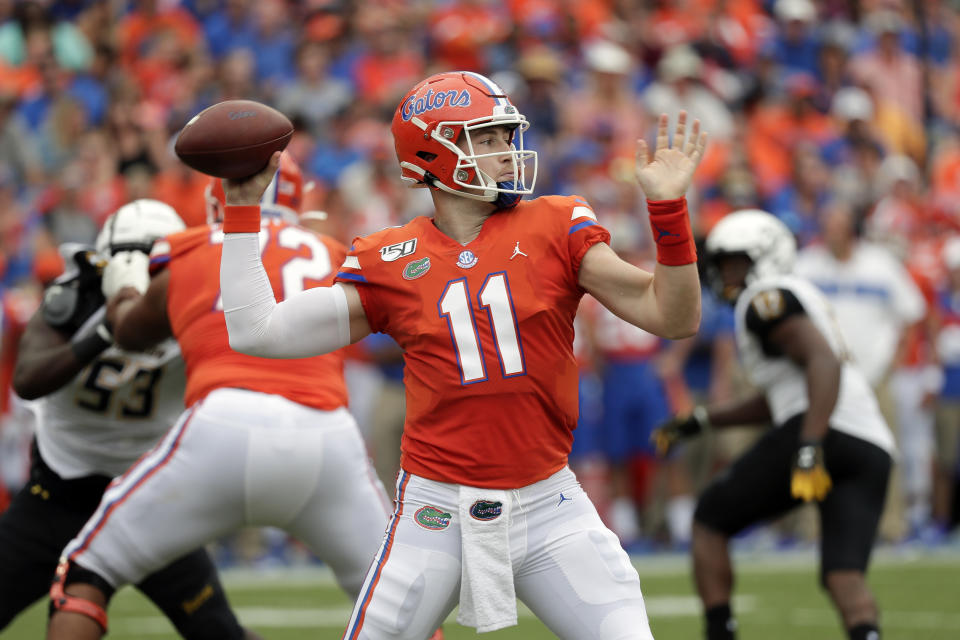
(840, 117)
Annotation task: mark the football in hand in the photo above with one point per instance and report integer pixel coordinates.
(233, 139)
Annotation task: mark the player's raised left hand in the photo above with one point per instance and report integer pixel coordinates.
(810, 479)
(668, 173)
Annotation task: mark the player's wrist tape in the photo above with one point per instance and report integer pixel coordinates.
(241, 218)
(88, 347)
(671, 231)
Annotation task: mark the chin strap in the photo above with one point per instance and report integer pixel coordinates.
(61, 601)
(507, 200)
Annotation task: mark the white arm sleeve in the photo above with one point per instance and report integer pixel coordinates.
(310, 323)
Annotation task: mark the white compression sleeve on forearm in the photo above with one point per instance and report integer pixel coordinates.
(310, 323)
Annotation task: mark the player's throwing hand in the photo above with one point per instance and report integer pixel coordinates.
(248, 191)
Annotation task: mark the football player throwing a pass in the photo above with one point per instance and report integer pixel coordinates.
(482, 298)
(262, 442)
(100, 408)
(829, 445)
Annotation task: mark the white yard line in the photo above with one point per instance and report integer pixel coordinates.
(647, 565)
(325, 617)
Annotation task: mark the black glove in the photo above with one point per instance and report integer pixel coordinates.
(74, 296)
(810, 479)
(678, 428)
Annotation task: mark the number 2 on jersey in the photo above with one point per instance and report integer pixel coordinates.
(494, 296)
(297, 270)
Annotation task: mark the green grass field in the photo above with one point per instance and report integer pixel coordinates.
(777, 598)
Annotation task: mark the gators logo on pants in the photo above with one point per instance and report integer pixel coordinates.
(486, 510)
(432, 518)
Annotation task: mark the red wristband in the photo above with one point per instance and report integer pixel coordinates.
(241, 218)
(671, 231)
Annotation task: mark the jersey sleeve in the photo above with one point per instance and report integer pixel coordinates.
(358, 269)
(766, 311)
(167, 248)
(160, 255)
(583, 231)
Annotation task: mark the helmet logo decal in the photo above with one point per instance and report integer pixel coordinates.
(415, 106)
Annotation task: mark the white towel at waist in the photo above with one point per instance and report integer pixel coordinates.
(487, 597)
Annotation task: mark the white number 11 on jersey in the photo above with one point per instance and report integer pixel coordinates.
(494, 296)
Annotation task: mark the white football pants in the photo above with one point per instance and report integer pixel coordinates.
(567, 566)
(241, 458)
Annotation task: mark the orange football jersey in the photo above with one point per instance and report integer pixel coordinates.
(487, 330)
(294, 258)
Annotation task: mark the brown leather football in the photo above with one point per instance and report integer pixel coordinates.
(233, 138)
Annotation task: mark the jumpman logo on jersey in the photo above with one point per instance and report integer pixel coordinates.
(663, 232)
(562, 498)
(517, 252)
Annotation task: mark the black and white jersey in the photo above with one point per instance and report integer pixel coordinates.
(759, 309)
(113, 411)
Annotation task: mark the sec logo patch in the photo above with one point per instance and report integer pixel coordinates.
(466, 259)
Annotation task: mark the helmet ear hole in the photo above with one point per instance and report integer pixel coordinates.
(426, 156)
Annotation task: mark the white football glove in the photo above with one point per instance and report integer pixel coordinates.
(126, 269)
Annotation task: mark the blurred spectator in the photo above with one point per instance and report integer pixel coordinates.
(465, 34)
(314, 95)
(875, 300)
(796, 47)
(333, 155)
(387, 66)
(237, 76)
(70, 46)
(892, 74)
(606, 109)
(183, 189)
(777, 127)
(679, 86)
(947, 441)
(901, 213)
(229, 27)
(832, 63)
(871, 292)
(274, 44)
(634, 402)
(799, 203)
(64, 215)
(17, 153)
(150, 19)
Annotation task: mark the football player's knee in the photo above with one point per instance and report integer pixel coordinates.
(710, 511)
(413, 580)
(593, 562)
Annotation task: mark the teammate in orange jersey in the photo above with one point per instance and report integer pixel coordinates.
(482, 298)
(263, 442)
